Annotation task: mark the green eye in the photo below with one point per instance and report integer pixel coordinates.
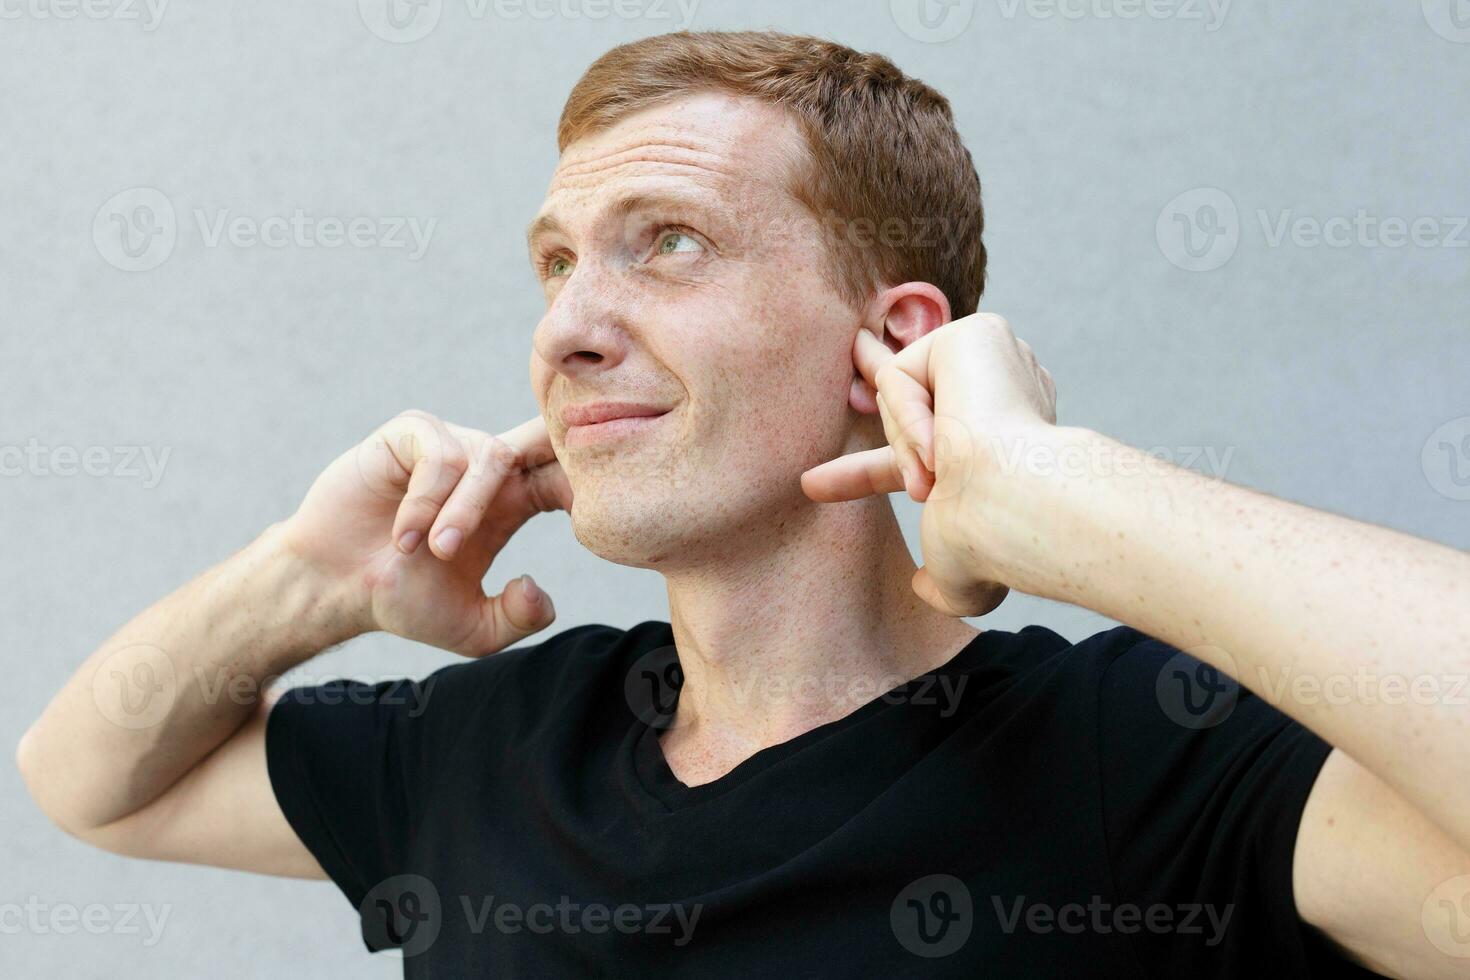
(559, 266)
(671, 243)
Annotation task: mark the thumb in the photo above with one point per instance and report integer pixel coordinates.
(925, 588)
(519, 610)
(984, 598)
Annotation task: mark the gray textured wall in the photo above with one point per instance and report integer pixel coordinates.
(1330, 373)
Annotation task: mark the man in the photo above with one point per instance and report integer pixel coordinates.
(752, 336)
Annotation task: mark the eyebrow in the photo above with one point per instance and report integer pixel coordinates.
(547, 223)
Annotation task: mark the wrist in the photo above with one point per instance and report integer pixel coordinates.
(1022, 519)
(317, 608)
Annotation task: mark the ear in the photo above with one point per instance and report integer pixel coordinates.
(898, 316)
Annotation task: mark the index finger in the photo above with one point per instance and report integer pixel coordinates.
(906, 395)
(869, 354)
(524, 447)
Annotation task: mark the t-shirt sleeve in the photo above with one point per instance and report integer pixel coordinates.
(1203, 787)
(342, 758)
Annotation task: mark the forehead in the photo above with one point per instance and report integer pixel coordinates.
(721, 147)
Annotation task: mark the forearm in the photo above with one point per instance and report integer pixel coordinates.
(175, 682)
(1360, 633)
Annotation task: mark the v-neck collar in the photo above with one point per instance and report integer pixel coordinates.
(657, 779)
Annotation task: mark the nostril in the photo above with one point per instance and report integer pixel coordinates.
(588, 355)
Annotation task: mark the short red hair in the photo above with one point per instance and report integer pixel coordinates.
(886, 171)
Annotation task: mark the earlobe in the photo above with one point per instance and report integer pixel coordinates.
(862, 397)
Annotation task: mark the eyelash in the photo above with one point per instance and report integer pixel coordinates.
(545, 260)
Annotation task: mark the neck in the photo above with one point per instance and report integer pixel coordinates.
(796, 630)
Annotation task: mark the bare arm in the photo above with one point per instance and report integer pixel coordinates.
(1358, 632)
(156, 746)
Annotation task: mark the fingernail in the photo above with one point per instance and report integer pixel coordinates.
(409, 541)
(532, 590)
(448, 540)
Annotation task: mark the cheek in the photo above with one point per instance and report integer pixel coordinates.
(541, 376)
(782, 377)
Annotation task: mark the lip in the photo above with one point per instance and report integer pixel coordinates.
(591, 413)
(601, 421)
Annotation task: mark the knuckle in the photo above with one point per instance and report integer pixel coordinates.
(416, 510)
(452, 458)
(995, 323)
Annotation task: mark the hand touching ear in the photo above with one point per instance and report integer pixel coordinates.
(955, 403)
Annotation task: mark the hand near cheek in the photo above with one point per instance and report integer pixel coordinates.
(951, 403)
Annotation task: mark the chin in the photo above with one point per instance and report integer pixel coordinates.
(629, 527)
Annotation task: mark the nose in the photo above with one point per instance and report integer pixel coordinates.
(584, 333)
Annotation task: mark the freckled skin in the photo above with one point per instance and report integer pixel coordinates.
(743, 332)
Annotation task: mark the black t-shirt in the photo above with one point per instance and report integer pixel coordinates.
(1033, 808)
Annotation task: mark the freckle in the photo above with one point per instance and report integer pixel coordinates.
(1331, 822)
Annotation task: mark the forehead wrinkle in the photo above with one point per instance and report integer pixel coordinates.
(664, 150)
(687, 154)
(660, 168)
